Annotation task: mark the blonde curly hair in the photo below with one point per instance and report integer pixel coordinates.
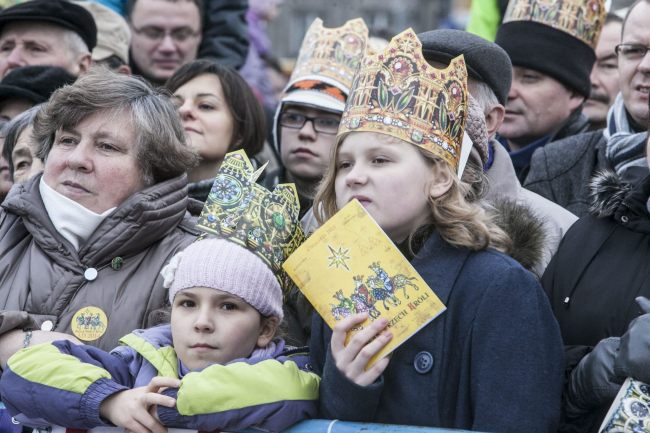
(459, 221)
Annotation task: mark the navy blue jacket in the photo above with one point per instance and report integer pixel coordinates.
(492, 362)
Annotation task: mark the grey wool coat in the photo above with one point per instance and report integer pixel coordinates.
(42, 275)
(560, 171)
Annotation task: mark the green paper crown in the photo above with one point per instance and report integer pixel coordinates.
(239, 210)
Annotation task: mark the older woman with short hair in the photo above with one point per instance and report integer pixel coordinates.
(82, 245)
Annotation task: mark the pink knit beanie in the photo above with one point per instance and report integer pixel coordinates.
(226, 266)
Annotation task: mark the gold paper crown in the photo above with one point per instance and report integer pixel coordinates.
(239, 210)
(399, 94)
(333, 54)
(581, 19)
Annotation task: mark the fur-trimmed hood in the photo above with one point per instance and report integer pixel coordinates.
(606, 193)
(525, 229)
(625, 200)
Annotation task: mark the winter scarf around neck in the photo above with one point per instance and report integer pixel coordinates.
(73, 221)
(625, 146)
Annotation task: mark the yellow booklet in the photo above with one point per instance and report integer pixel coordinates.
(349, 266)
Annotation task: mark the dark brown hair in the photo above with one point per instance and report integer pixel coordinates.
(249, 124)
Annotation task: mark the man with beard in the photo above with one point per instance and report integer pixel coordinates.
(561, 171)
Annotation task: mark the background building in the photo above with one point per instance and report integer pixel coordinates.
(384, 18)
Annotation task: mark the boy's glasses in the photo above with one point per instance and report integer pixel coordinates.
(157, 34)
(631, 51)
(325, 125)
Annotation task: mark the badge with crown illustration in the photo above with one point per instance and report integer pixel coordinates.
(581, 19)
(239, 210)
(331, 54)
(396, 92)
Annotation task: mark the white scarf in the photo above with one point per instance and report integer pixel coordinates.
(73, 221)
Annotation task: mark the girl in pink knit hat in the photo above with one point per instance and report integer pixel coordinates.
(217, 366)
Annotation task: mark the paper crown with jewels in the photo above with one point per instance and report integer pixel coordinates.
(398, 93)
(582, 19)
(244, 212)
(331, 55)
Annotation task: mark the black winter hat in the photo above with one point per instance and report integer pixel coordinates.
(485, 60)
(550, 51)
(60, 12)
(34, 83)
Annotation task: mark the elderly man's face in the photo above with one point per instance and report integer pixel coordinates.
(166, 35)
(26, 163)
(537, 106)
(604, 75)
(95, 163)
(37, 43)
(634, 70)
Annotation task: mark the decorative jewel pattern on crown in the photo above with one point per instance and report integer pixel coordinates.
(399, 94)
(582, 19)
(333, 54)
(242, 211)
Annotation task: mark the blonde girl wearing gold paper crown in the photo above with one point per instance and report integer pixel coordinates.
(494, 360)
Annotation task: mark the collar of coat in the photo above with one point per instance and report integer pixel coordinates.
(143, 219)
(625, 200)
(440, 263)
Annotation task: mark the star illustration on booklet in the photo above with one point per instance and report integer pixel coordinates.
(349, 266)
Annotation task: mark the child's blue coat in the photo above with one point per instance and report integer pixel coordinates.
(496, 353)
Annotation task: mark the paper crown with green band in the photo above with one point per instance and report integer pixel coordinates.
(398, 93)
(582, 19)
(244, 212)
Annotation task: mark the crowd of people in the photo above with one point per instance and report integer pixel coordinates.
(116, 309)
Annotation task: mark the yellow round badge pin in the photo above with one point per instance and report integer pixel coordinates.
(89, 323)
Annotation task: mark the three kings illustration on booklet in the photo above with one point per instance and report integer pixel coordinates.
(347, 266)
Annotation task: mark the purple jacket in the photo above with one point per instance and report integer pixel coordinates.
(65, 384)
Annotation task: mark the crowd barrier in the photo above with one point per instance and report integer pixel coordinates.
(309, 426)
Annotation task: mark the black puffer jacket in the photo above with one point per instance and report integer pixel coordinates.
(602, 265)
(225, 32)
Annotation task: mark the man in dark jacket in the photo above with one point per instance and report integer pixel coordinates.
(593, 283)
(548, 88)
(561, 170)
(167, 34)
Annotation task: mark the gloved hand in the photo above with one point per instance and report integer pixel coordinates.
(633, 359)
(593, 382)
